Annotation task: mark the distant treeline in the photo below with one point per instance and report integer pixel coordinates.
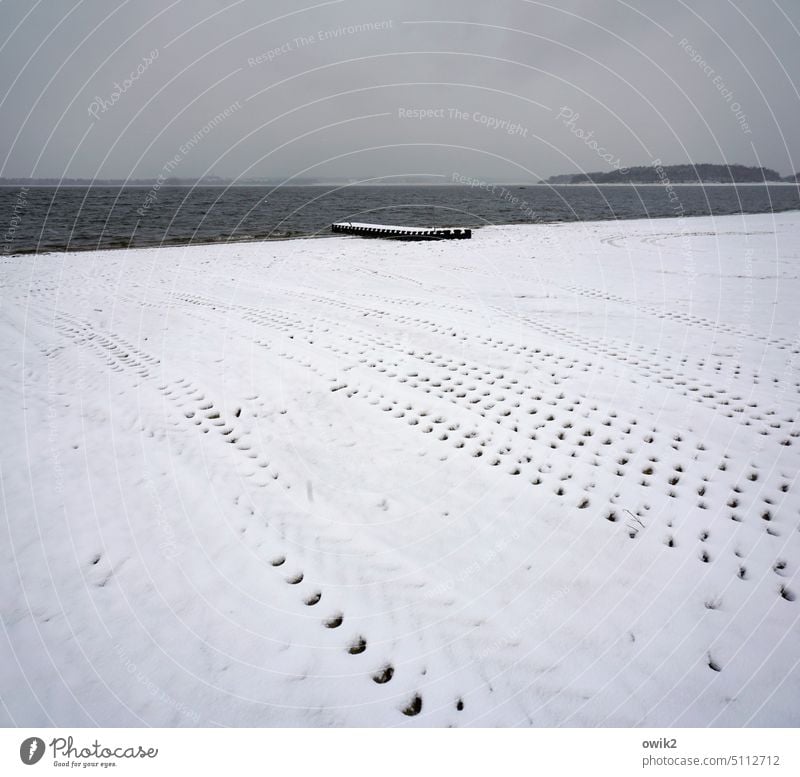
(702, 173)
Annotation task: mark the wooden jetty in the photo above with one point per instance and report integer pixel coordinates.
(402, 233)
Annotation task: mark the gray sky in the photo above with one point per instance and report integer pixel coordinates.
(572, 85)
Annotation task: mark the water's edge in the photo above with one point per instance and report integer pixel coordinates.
(39, 220)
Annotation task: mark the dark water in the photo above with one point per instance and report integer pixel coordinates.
(51, 219)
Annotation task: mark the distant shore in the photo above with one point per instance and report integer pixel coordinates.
(148, 184)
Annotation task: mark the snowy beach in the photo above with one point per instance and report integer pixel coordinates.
(543, 477)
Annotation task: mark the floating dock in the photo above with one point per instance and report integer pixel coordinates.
(402, 233)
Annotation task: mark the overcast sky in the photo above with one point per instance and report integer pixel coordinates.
(513, 89)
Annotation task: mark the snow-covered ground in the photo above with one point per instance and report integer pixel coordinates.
(547, 476)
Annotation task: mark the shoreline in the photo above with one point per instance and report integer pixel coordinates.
(327, 235)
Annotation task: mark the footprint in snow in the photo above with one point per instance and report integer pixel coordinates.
(384, 675)
(414, 707)
(359, 645)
